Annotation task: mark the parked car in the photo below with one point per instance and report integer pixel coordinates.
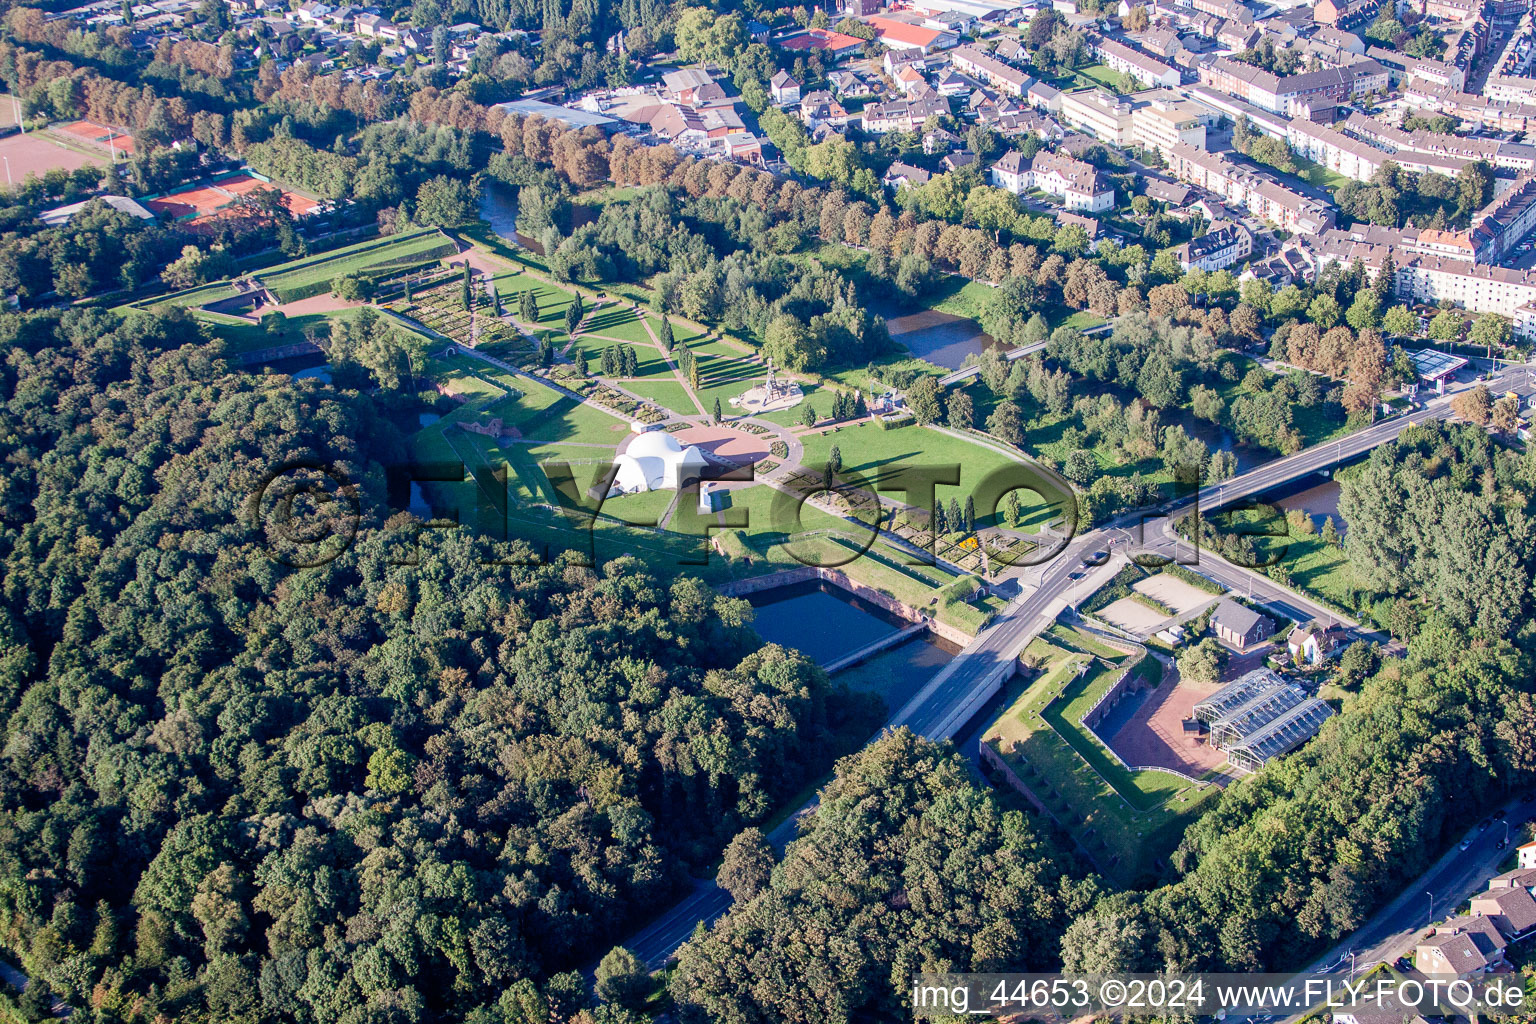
(1484, 825)
(1465, 843)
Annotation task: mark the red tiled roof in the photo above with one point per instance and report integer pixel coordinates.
(900, 31)
(821, 39)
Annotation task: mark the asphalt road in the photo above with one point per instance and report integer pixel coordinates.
(1394, 930)
(936, 710)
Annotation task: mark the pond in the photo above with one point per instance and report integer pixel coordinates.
(943, 339)
(311, 365)
(826, 623)
(320, 373)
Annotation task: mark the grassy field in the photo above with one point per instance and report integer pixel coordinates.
(313, 275)
(1316, 174)
(1314, 566)
(877, 454)
(1100, 74)
(1128, 820)
(668, 394)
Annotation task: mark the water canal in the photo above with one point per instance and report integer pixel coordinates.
(826, 623)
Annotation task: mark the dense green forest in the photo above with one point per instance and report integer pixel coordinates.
(367, 791)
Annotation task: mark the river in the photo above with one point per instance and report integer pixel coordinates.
(498, 207)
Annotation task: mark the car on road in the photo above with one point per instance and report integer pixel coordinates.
(1485, 825)
(1465, 843)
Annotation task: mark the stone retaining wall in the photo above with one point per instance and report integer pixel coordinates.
(267, 355)
(1130, 681)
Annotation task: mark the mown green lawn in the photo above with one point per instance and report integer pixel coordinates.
(668, 394)
(311, 271)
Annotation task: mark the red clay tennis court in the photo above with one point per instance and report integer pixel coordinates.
(210, 199)
(199, 201)
(241, 184)
(101, 135)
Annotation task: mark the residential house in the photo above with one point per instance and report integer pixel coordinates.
(1314, 643)
(1236, 35)
(1239, 625)
(1011, 172)
(909, 79)
(1512, 910)
(1044, 97)
(847, 86)
(1078, 185)
(939, 140)
(1527, 856)
(1220, 247)
(952, 83)
(784, 89)
(1174, 193)
(899, 174)
(1090, 225)
(818, 108)
(1023, 122)
(958, 159)
(1461, 946)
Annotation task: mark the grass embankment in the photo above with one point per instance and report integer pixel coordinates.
(1129, 820)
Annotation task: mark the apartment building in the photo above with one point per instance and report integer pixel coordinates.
(1003, 77)
(1403, 68)
(1126, 60)
(902, 115)
(1078, 185)
(1223, 245)
(1162, 124)
(1288, 95)
(1393, 138)
(1359, 158)
(1478, 110)
(1100, 113)
(1261, 195)
(1426, 278)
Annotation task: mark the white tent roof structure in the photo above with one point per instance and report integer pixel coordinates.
(655, 460)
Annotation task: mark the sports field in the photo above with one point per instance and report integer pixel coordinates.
(207, 199)
(22, 156)
(99, 135)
